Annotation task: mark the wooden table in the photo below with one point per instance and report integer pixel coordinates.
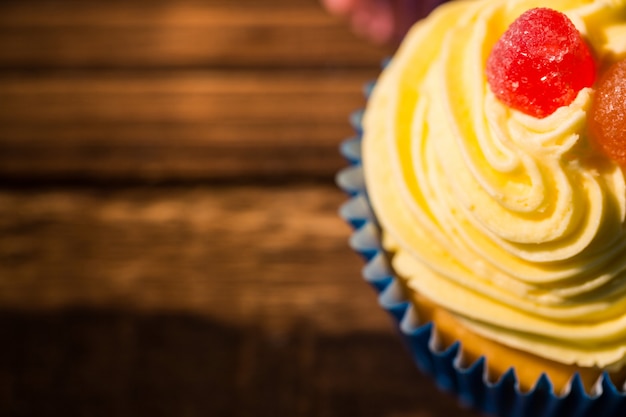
(169, 243)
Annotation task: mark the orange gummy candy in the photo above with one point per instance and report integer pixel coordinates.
(607, 118)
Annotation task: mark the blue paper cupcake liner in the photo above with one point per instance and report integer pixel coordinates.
(469, 383)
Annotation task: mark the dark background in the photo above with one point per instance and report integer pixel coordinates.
(169, 243)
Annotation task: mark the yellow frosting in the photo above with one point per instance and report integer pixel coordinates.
(513, 223)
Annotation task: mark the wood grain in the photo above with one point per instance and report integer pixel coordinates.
(175, 34)
(237, 254)
(119, 364)
(229, 301)
(192, 125)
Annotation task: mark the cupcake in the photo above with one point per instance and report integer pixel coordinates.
(489, 200)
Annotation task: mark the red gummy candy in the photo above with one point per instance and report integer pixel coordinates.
(607, 117)
(540, 63)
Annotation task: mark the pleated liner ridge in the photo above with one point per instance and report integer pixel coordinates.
(469, 383)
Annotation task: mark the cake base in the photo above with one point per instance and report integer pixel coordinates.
(500, 358)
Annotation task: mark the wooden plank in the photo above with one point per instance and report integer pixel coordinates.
(174, 34)
(173, 125)
(240, 255)
(188, 97)
(111, 363)
(212, 300)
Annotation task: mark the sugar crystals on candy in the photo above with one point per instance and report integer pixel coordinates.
(540, 63)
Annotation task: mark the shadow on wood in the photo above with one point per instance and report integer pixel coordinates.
(100, 363)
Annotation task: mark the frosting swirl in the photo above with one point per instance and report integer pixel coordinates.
(515, 224)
